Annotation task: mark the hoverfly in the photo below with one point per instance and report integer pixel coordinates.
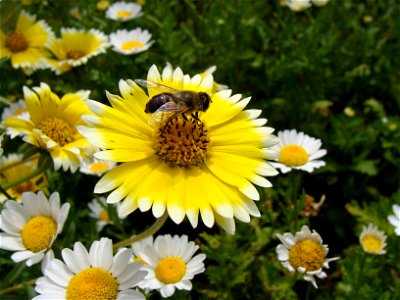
(171, 103)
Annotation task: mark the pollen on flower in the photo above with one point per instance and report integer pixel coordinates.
(92, 283)
(16, 42)
(75, 54)
(139, 259)
(182, 142)
(170, 269)
(58, 130)
(98, 167)
(38, 233)
(124, 14)
(307, 254)
(132, 44)
(293, 156)
(371, 243)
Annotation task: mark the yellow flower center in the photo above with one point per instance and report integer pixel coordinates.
(75, 54)
(16, 42)
(58, 130)
(182, 142)
(124, 14)
(103, 216)
(38, 233)
(98, 167)
(170, 269)
(371, 244)
(293, 156)
(132, 44)
(102, 5)
(92, 284)
(308, 254)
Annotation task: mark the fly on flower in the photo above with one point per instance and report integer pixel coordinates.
(171, 103)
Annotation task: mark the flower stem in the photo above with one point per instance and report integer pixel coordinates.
(19, 162)
(17, 287)
(148, 232)
(24, 178)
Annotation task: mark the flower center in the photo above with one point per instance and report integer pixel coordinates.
(57, 130)
(103, 216)
(16, 42)
(182, 142)
(75, 54)
(170, 269)
(92, 284)
(293, 156)
(372, 244)
(98, 167)
(308, 254)
(132, 44)
(38, 233)
(124, 14)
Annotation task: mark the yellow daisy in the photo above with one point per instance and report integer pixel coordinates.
(75, 47)
(13, 173)
(373, 240)
(26, 45)
(52, 125)
(184, 165)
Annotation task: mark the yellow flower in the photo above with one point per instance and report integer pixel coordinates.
(52, 125)
(304, 253)
(26, 45)
(373, 240)
(13, 173)
(184, 166)
(75, 47)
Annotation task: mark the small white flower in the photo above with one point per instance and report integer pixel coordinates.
(372, 240)
(298, 5)
(90, 275)
(304, 253)
(99, 212)
(124, 11)
(31, 227)
(298, 151)
(395, 219)
(170, 263)
(130, 42)
(18, 110)
(96, 166)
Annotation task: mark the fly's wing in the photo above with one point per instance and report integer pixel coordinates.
(155, 85)
(167, 110)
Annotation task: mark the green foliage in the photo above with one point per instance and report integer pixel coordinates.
(304, 70)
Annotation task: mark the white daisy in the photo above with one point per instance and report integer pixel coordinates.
(298, 151)
(395, 219)
(130, 42)
(18, 110)
(98, 211)
(298, 5)
(304, 253)
(31, 227)
(170, 264)
(373, 240)
(96, 166)
(96, 274)
(124, 11)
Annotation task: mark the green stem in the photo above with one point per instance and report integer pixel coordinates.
(25, 178)
(19, 162)
(148, 232)
(17, 287)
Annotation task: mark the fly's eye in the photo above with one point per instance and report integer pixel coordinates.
(205, 100)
